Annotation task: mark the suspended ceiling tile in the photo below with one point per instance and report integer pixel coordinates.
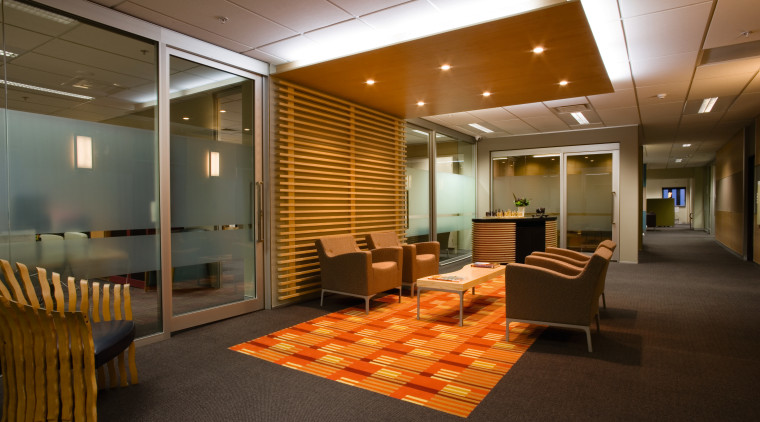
(265, 57)
(19, 40)
(290, 49)
(413, 19)
(618, 99)
(747, 106)
(717, 70)
(462, 118)
(619, 116)
(546, 123)
(529, 110)
(730, 19)
(631, 8)
(491, 114)
(665, 33)
(724, 86)
(753, 86)
(663, 70)
(515, 126)
(43, 25)
(363, 7)
(346, 37)
(298, 15)
(41, 98)
(30, 107)
(619, 74)
(675, 91)
(242, 26)
(661, 113)
(113, 42)
(182, 27)
(657, 133)
(108, 3)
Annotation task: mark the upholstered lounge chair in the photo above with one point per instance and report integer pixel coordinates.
(348, 270)
(420, 259)
(577, 259)
(544, 296)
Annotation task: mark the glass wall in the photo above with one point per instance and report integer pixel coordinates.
(535, 177)
(455, 195)
(212, 179)
(80, 190)
(589, 200)
(418, 184)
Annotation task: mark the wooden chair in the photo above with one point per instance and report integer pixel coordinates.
(108, 322)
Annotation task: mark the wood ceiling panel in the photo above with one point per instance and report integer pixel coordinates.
(493, 56)
(298, 15)
(665, 33)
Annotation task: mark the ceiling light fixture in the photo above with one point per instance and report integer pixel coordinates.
(538, 50)
(562, 83)
(36, 11)
(222, 111)
(420, 103)
(580, 118)
(545, 155)
(8, 54)
(370, 82)
(686, 145)
(486, 94)
(678, 160)
(51, 91)
(420, 132)
(707, 104)
(446, 67)
(481, 128)
(185, 118)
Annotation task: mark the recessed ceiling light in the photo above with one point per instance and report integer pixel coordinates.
(579, 117)
(222, 111)
(678, 160)
(185, 118)
(446, 67)
(686, 145)
(707, 104)
(247, 130)
(538, 50)
(8, 54)
(420, 103)
(370, 82)
(486, 94)
(481, 128)
(562, 83)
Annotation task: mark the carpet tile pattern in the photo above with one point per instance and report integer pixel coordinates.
(430, 362)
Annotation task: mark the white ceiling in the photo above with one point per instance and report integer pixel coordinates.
(649, 47)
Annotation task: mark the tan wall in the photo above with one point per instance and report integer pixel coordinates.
(729, 176)
(630, 164)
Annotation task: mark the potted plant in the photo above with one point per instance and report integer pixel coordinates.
(521, 203)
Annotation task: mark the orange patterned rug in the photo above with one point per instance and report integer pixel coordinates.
(432, 362)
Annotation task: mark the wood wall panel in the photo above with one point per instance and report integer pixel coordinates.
(339, 168)
(729, 193)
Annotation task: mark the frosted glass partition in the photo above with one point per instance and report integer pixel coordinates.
(418, 184)
(455, 196)
(533, 177)
(80, 186)
(212, 179)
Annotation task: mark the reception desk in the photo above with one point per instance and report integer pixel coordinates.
(507, 240)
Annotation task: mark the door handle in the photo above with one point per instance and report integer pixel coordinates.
(614, 194)
(259, 211)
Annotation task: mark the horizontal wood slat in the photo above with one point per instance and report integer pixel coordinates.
(339, 168)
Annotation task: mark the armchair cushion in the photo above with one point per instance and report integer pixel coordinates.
(419, 259)
(110, 338)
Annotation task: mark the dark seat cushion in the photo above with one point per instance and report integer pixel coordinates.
(111, 338)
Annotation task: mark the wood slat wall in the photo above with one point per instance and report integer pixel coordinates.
(551, 234)
(339, 168)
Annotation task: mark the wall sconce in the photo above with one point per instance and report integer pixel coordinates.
(213, 164)
(84, 152)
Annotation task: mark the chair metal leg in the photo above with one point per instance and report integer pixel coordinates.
(588, 339)
(597, 322)
(366, 305)
(604, 301)
(322, 300)
(399, 294)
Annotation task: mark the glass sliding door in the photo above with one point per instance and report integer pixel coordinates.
(214, 190)
(590, 200)
(418, 184)
(455, 196)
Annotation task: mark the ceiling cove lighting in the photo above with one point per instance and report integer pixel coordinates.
(538, 50)
(580, 118)
(481, 128)
(50, 91)
(707, 104)
(545, 155)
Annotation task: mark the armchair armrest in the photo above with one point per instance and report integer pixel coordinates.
(563, 258)
(568, 253)
(553, 264)
(387, 254)
(428, 248)
(346, 271)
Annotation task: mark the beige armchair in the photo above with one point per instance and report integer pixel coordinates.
(577, 259)
(348, 270)
(562, 296)
(420, 259)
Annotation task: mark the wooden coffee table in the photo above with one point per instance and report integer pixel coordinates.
(462, 280)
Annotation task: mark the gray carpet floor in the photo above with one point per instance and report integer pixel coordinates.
(679, 341)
